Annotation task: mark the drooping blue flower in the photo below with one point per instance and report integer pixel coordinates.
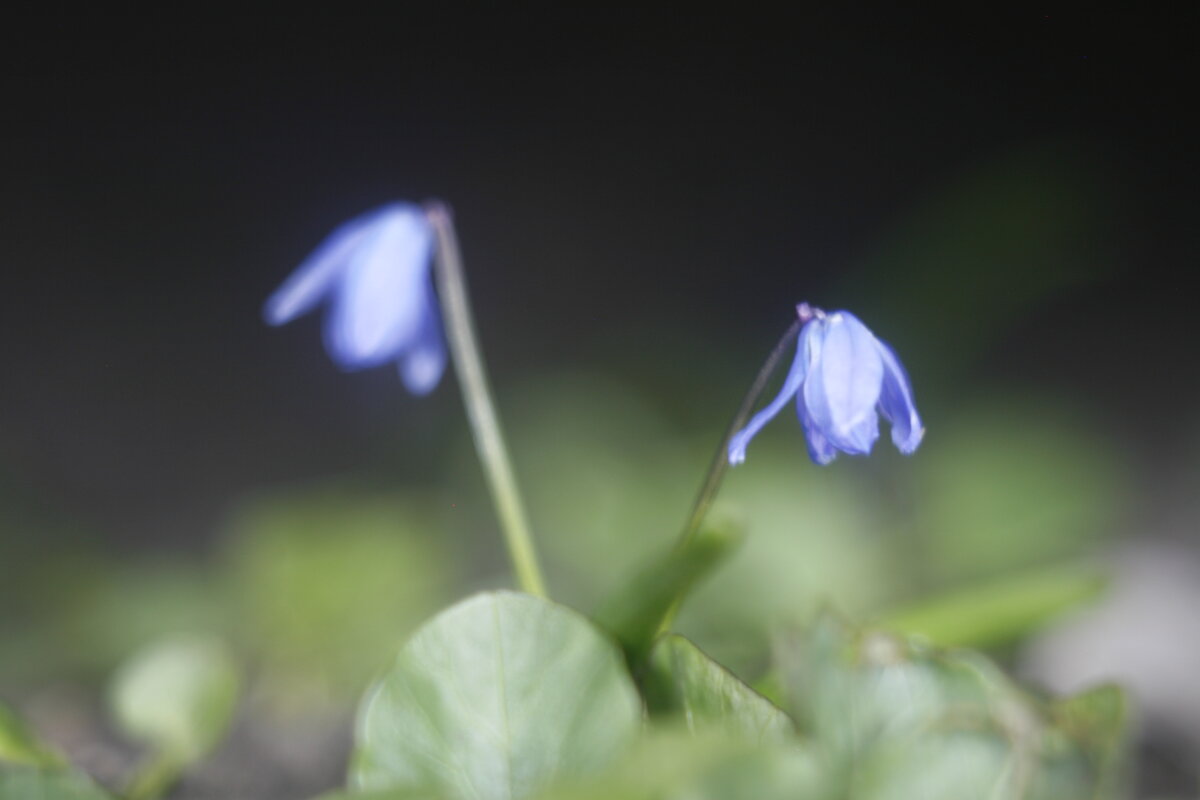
(375, 272)
(841, 376)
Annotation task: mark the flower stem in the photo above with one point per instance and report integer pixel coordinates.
(720, 462)
(481, 409)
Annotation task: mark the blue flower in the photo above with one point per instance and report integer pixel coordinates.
(375, 272)
(841, 375)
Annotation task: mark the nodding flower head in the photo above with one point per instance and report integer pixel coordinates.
(375, 272)
(841, 377)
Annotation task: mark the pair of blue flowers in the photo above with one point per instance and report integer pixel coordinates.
(375, 273)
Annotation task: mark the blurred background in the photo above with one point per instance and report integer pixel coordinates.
(642, 198)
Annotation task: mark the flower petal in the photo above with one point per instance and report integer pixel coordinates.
(791, 385)
(378, 306)
(844, 382)
(819, 448)
(422, 364)
(896, 402)
(312, 280)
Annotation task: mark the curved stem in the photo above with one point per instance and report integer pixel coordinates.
(481, 409)
(720, 461)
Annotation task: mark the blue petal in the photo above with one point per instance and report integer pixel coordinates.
(422, 364)
(819, 448)
(896, 402)
(380, 300)
(313, 279)
(844, 383)
(791, 385)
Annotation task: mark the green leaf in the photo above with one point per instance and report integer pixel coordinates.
(1099, 720)
(899, 719)
(635, 614)
(19, 745)
(675, 764)
(1000, 612)
(23, 783)
(177, 695)
(382, 794)
(683, 680)
(493, 698)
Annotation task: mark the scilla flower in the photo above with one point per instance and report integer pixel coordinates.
(841, 376)
(374, 271)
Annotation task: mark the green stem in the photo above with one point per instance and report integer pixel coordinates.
(720, 461)
(481, 410)
(154, 777)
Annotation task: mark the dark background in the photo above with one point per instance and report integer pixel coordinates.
(636, 190)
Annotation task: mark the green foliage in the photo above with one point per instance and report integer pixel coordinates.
(24, 783)
(493, 698)
(683, 681)
(1001, 611)
(810, 539)
(31, 770)
(177, 695)
(19, 745)
(1012, 486)
(328, 583)
(635, 614)
(897, 719)
(671, 764)
(604, 477)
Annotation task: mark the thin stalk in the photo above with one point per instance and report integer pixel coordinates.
(481, 409)
(720, 461)
(154, 777)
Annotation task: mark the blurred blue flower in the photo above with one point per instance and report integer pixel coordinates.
(375, 272)
(841, 375)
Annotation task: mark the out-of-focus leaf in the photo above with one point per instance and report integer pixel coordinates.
(115, 608)
(1013, 486)
(177, 695)
(810, 539)
(682, 680)
(598, 460)
(494, 698)
(999, 612)
(25, 783)
(1099, 720)
(329, 582)
(681, 765)
(19, 745)
(382, 794)
(635, 614)
(899, 719)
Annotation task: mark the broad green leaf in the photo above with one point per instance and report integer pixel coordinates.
(680, 679)
(899, 719)
(677, 764)
(494, 698)
(635, 614)
(938, 766)
(382, 794)
(177, 695)
(1000, 612)
(24, 783)
(19, 745)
